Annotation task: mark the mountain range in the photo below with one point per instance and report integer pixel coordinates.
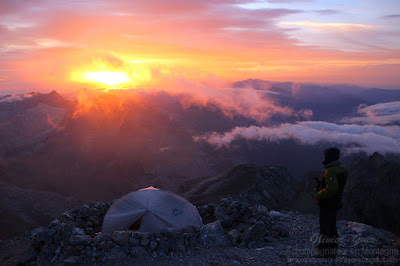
(100, 146)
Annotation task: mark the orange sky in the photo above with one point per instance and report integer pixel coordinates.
(47, 45)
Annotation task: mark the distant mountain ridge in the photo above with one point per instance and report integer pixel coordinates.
(326, 101)
(29, 118)
(103, 153)
(31, 99)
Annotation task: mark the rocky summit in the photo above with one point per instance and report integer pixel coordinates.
(235, 232)
(249, 218)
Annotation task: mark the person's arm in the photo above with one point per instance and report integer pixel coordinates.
(331, 188)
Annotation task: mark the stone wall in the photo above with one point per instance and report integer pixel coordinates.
(75, 237)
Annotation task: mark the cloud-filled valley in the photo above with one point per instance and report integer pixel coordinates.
(378, 114)
(353, 138)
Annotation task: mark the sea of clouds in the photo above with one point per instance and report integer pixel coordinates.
(377, 128)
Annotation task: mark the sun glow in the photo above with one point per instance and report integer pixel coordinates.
(107, 77)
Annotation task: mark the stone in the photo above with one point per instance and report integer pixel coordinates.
(234, 234)
(144, 242)
(258, 226)
(235, 204)
(41, 235)
(116, 254)
(269, 239)
(99, 205)
(369, 234)
(138, 252)
(67, 215)
(153, 245)
(168, 232)
(242, 227)
(235, 262)
(57, 239)
(71, 260)
(177, 243)
(254, 232)
(275, 214)
(121, 237)
(274, 233)
(162, 249)
(225, 219)
(281, 230)
(78, 231)
(126, 249)
(262, 208)
(84, 209)
(192, 240)
(54, 223)
(143, 235)
(224, 201)
(100, 238)
(212, 235)
(109, 244)
(133, 241)
(57, 251)
(76, 240)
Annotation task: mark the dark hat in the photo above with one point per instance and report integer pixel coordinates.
(331, 155)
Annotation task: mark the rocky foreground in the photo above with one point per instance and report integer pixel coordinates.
(234, 233)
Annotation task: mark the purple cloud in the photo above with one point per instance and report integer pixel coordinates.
(391, 16)
(327, 11)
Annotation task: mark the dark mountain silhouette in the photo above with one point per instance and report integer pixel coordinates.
(372, 194)
(272, 186)
(25, 209)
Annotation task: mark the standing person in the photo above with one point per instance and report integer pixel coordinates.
(329, 199)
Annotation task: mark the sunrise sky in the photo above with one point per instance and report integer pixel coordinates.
(64, 45)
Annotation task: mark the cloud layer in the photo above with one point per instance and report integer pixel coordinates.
(232, 102)
(352, 137)
(378, 114)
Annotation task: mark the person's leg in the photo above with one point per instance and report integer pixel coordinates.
(335, 232)
(331, 232)
(324, 230)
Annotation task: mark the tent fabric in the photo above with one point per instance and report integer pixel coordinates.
(159, 209)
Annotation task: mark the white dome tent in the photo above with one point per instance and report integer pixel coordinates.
(150, 210)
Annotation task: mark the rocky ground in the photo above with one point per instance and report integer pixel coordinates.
(239, 233)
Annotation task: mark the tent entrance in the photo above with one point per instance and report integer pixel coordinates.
(136, 225)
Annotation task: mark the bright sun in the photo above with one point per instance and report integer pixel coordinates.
(107, 77)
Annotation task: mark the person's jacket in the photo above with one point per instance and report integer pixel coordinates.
(332, 185)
